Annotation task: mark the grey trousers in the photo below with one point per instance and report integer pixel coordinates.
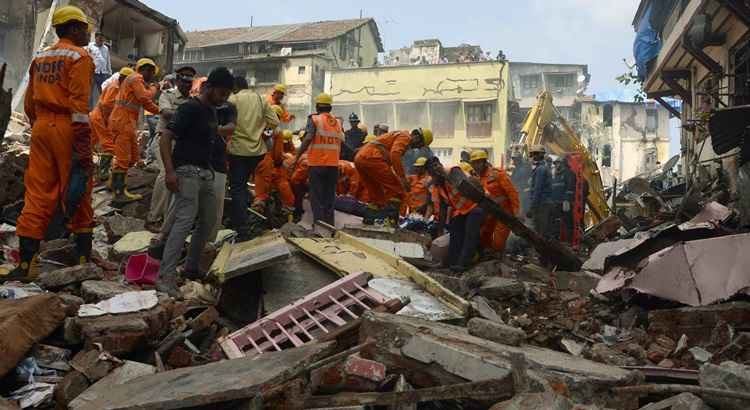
(160, 195)
(193, 204)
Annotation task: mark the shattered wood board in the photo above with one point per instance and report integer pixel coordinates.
(242, 258)
(212, 383)
(346, 254)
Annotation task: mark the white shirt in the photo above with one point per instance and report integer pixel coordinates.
(100, 54)
(107, 82)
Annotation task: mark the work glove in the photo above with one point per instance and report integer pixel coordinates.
(82, 148)
(566, 206)
(76, 189)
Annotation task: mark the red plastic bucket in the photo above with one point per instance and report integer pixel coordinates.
(142, 269)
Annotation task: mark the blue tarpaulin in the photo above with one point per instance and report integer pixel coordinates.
(647, 44)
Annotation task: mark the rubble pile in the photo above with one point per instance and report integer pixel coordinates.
(346, 321)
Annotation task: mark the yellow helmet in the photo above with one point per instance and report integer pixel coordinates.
(287, 134)
(370, 138)
(126, 71)
(420, 162)
(280, 88)
(67, 14)
(537, 148)
(324, 98)
(478, 154)
(466, 167)
(362, 126)
(426, 135)
(146, 61)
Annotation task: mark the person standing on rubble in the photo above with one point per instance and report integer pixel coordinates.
(60, 159)
(381, 170)
(102, 63)
(466, 217)
(323, 138)
(269, 175)
(563, 193)
(499, 188)
(277, 98)
(540, 192)
(99, 119)
(246, 150)
(190, 176)
(419, 181)
(169, 101)
(354, 138)
(134, 94)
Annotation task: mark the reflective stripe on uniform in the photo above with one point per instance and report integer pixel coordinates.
(129, 105)
(79, 117)
(325, 146)
(59, 53)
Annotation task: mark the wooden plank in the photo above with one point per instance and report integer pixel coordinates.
(345, 254)
(218, 382)
(487, 389)
(242, 258)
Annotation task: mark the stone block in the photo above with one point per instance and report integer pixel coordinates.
(94, 291)
(355, 374)
(66, 276)
(121, 375)
(501, 288)
(91, 365)
(71, 303)
(727, 376)
(430, 353)
(485, 311)
(73, 384)
(683, 401)
(496, 332)
(118, 226)
(600, 352)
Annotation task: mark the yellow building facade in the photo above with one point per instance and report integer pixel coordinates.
(465, 104)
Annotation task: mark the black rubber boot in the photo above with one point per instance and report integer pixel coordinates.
(371, 214)
(83, 247)
(27, 270)
(121, 195)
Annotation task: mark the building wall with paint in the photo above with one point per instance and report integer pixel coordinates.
(465, 105)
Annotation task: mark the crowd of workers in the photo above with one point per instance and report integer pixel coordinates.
(213, 132)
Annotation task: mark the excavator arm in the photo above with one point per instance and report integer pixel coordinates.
(561, 140)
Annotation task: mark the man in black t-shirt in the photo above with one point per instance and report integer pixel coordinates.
(190, 175)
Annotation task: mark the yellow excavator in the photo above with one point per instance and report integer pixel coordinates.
(545, 126)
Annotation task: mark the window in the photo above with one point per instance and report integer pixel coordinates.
(343, 47)
(445, 155)
(301, 70)
(267, 74)
(229, 50)
(652, 117)
(531, 82)
(607, 115)
(411, 115)
(607, 155)
(741, 68)
(443, 119)
(560, 82)
(378, 114)
(479, 119)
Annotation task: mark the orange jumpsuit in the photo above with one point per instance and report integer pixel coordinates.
(420, 191)
(99, 118)
(499, 188)
(56, 102)
(268, 176)
(348, 183)
(380, 168)
(285, 117)
(124, 119)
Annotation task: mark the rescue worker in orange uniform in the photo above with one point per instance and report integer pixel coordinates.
(419, 195)
(299, 177)
(348, 183)
(324, 135)
(133, 95)
(382, 172)
(276, 98)
(466, 216)
(498, 187)
(99, 118)
(271, 174)
(60, 160)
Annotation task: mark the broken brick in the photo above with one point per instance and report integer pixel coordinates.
(501, 288)
(496, 332)
(91, 364)
(94, 291)
(73, 384)
(355, 374)
(697, 322)
(59, 278)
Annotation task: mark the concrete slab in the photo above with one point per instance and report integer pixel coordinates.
(121, 375)
(423, 305)
(434, 352)
(245, 257)
(212, 383)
